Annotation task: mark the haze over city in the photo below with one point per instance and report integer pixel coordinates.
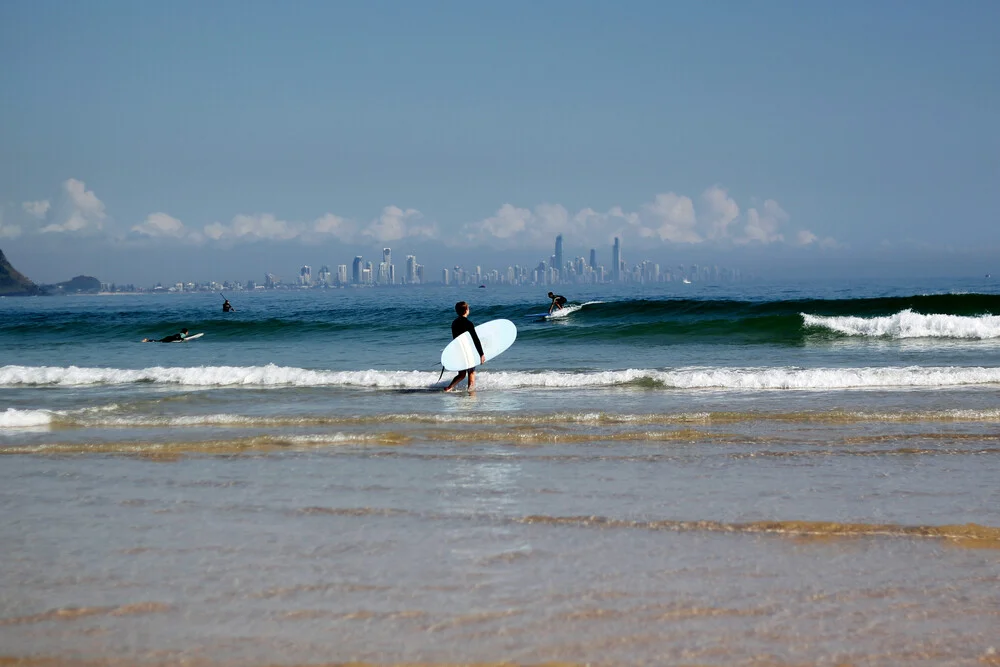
(228, 140)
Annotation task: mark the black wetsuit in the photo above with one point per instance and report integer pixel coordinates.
(559, 299)
(226, 307)
(173, 338)
(460, 326)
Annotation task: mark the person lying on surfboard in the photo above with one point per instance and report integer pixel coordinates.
(459, 326)
(172, 338)
(558, 301)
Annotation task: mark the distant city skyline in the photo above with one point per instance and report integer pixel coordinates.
(578, 271)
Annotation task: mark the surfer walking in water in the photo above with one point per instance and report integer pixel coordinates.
(459, 326)
(558, 301)
(226, 306)
(172, 338)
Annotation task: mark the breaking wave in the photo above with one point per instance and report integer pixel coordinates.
(13, 418)
(760, 378)
(908, 324)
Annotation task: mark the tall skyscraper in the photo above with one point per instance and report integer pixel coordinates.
(387, 255)
(593, 258)
(558, 264)
(342, 274)
(305, 275)
(357, 268)
(411, 269)
(616, 261)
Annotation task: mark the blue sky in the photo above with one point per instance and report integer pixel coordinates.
(145, 141)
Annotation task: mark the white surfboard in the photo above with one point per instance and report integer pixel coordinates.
(191, 337)
(495, 336)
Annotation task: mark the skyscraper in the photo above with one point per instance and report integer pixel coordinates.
(383, 274)
(593, 258)
(305, 275)
(558, 262)
(616, 261)
(411, 269)
(357, 268)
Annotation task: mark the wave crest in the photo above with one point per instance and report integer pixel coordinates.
(761, 378)
(908, 324)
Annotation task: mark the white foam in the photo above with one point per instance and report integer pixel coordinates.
(212, 376)
(754, 378)
(12, 418)
(907, 324)
(682, 378)
(569, 310)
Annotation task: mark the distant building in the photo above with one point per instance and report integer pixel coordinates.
(305, 275)
(342, 274)
(411, 269)
(356, 270)
(557, 262)
(616, 261)
(324, 277)
(593, 258)
(386, 275)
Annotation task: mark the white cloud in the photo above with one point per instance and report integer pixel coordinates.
(395, 224)
(161, 225)
(671, 218)
(764, 226)
(8, 231)
(261, 226)
(508, 223)
(82, 210)
(512, 226)
(336, 226)
(37, 209)
(805, 237)
(720, 210)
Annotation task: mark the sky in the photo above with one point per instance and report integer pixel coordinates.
(187, 140)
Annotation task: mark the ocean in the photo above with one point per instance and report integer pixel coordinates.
(681, 474)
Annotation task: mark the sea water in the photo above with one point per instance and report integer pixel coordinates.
(673, 474)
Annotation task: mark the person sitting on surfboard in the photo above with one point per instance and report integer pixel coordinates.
(172, 338)
(459, 326)
(558, 301)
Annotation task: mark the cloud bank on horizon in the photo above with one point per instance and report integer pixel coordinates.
(713, 219)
